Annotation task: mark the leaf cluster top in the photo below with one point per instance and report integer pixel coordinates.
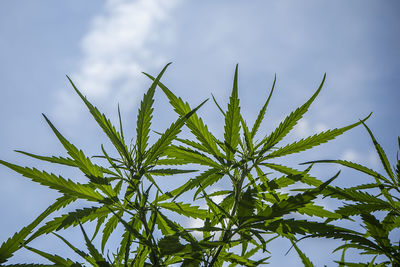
(253, 210)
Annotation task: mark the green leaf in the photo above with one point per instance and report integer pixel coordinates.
(163, 226)
(247, 136)
(184, 209)
(101, 262)
(106, 125)
(377, 231)
(83, 162)
(231, 257)
(293, 203)
(168, 136)
(72, 218)
(58, 160)
(311, 141)
(193, 144)
(319, 211)
(57, 182)
(382, 154)
(12, 244)
(163, 172)
(246, 205)
(305, 177)
(360, 208)
(145, 115)
(304, 259)
(287, 125)
(195, 124)
(109, 227)
(232, 120)
(170, 245)
(59, 261)
(77, 251)
(204, 179)
(185, 155)
(354, 166)
(261, 114)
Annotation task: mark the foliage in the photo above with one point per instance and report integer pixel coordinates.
(380, 196)
(237, 230)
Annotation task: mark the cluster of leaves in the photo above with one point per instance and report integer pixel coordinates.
(379, 196)
(253, 208)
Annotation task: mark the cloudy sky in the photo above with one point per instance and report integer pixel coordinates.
(105, 45)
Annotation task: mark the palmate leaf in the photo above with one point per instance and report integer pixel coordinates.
(287, 125)
(8, 247)
(158, 148)
(261, 114)
(195, 124)
(232, 120)
(184, 209)
(312, 141)
(106, 125)
(145, 115)
(57, 182)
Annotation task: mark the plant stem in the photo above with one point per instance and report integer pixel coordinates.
(227, 234)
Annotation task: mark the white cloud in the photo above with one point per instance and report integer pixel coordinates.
(351, 155)
(118, 46)
(369, 159)
(305, 128)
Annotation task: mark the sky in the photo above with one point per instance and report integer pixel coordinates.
(105, 45)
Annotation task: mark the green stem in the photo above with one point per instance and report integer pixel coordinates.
(227, 234)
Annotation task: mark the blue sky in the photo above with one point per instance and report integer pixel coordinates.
(105, 45)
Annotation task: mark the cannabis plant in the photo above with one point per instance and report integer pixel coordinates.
(382, 195)
(124, 191)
